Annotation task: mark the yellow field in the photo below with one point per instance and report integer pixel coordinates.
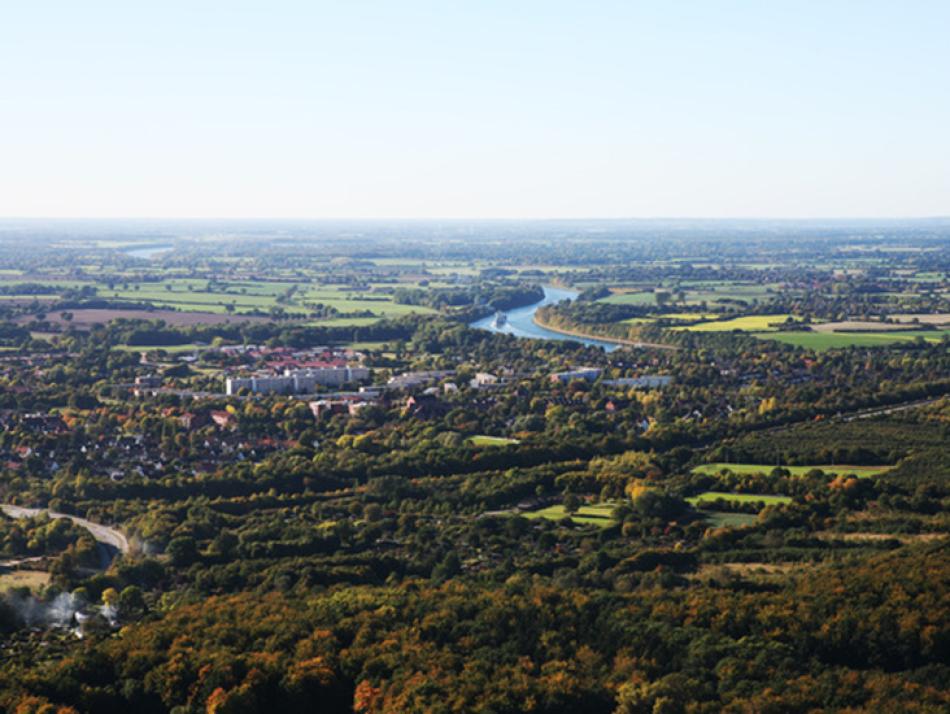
(32, 579)
(749, 323)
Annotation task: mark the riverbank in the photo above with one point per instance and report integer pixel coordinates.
(601, 338)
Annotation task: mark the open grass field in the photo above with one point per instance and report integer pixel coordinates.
(599, 514)
(349, 301)
(859, 326)
(709, 497)
(33, 579)
(199, 295)
(751, 469)
(344, 322)
(87, 318)
(170, 349)
(719, 519)
(482, 440)
(747, 323)
(826, 341)
(631, 298)
(366, 346)
(690, 316)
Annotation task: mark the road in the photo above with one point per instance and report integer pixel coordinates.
(109, 539)
(878, 411)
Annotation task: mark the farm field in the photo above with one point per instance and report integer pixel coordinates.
(344, 322)
(631, 298)
(198, 295)
(368, 346)
(751, 469)
(709, 497)
(89, 317)
(170, 349)
(747, 323)
(825, 341)
(720, 519)
(597, 515)
(936, 319)
(688, 316)
(482, 440)
(32, 579)
(860, 326)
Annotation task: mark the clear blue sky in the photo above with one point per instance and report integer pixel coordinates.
(474, 109)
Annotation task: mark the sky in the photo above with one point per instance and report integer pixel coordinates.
(477, 109)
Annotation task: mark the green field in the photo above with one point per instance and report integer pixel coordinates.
(718, 519)
(483, 440)
(365, 346)
(751, 469)
(198, 295)
(698, 292)
(170, 349)
(709, 497)
(688, 316)
(345, 322)
(631, 298)
(600, 514)
(831, 340)
(748, 323)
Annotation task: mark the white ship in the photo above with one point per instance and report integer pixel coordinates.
(501, 319)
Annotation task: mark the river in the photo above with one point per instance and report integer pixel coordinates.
(521, 321)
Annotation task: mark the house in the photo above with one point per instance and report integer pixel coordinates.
(190, 420)
(484, 379)
(349, 404)
(222, 418)
(411, 380)
(148, 381)
(425, 406)
(615, 405)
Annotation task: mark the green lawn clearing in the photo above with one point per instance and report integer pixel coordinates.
(483, 440)
(751, 469)
(709, 497)
(600, 514)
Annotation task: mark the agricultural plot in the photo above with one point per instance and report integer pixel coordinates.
(835, 340)
(344, 322)
(170, 349)
(482, 441)
(32, 579)
(710, 497)
(600, 515)
(349, 301)
(752, 469)
(720, 519)
(631, 298)
(87, 317)
(860, 326)
(747, 323)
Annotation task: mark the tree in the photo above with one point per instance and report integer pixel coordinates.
(131, 602)
(571, 503)
(183, 550)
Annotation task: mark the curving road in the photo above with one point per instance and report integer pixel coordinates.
(110, 540)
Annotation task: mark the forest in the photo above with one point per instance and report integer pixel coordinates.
(700, 518)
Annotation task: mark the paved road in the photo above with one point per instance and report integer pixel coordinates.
(110, 540)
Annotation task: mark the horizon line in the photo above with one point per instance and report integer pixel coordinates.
(484, 218)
